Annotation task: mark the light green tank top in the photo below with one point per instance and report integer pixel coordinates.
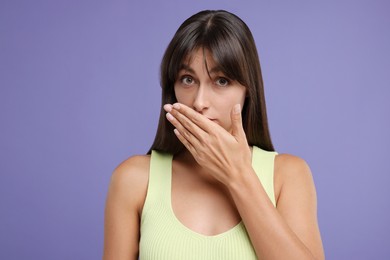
(164, 237)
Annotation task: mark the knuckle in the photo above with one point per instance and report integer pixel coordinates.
(186, 135)
(201, 156)
(196, 118)
(207, 142)
(186, 124)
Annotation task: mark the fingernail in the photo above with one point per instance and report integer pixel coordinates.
(168, 107)
(176, 106)
(169, 116)
(236, 109)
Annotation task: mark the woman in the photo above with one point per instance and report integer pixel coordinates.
(212, 186)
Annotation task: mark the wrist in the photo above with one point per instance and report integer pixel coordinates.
(240, 179)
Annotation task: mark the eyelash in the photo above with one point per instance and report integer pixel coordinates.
(225, 79)
(185, 77)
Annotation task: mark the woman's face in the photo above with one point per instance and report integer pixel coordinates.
(210, 93)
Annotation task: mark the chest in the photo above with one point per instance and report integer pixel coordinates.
(200, 203)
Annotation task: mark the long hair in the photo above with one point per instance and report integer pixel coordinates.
(233, 48)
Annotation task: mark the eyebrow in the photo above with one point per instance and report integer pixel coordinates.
(189, 69)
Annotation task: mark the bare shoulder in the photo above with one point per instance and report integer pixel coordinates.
(133, 167)
(288, 164)
(291, 171)
(125, 199)
(129, 180)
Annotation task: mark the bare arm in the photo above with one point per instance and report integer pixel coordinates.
(125, 198)
(289, 231)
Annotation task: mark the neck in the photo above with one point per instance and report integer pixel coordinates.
(186, 157)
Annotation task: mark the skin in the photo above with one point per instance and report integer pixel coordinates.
(216, 178)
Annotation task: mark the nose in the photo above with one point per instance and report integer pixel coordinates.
(202, 99)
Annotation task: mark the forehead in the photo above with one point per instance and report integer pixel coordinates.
(200, 57)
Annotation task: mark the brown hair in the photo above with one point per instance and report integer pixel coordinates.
(232, 46)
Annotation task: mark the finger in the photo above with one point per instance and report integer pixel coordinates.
(185, 142)
(198, 119)
(193, 138)
(237, 129)
(188, 124)
(167, 107)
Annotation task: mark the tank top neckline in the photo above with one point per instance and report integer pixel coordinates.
(178, 223)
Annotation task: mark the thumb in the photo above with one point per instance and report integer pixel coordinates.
(237, 129)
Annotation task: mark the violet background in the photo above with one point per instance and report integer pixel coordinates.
(79, 93)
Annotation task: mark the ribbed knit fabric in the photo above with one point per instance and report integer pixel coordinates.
(164, 237)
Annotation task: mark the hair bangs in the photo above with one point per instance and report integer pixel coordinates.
(231, 45)
(227, 56)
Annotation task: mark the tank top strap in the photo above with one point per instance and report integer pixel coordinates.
(160, 175)
(263, 164)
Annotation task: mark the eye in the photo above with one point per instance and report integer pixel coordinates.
(187, 80)
(223, 82)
